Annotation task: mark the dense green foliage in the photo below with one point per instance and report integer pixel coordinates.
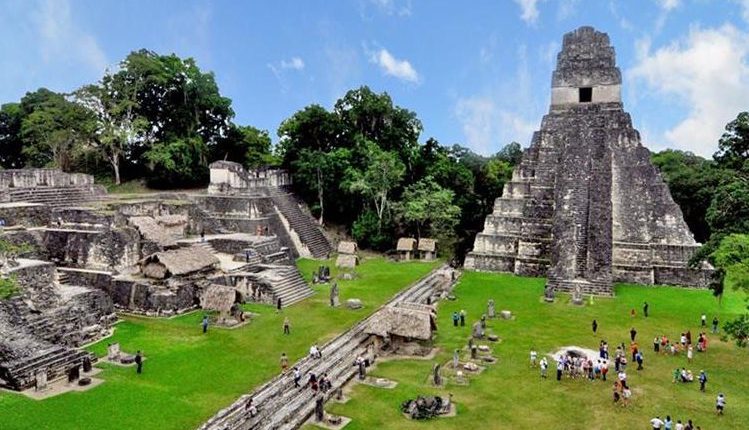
(360, 165)
(187, 376)
(156, 117)
(511, 395)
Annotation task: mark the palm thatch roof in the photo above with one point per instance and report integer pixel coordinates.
(177, 262)
(152, 229)
(218, 298)
(346, 247)
(428, 245)
(403, 322)
(406, 244)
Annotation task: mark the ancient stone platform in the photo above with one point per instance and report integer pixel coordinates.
(585, 207)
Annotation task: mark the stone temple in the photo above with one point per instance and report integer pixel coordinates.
(585, 207)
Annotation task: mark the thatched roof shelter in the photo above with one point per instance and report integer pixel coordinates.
(346, 247)
(427, 245)
(406, 244)
(218, 298)
(404, 322)
(178, 262)
(163, 230)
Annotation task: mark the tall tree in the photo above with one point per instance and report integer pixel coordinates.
(54, 129)
(11, 144)
(383, 171)
(246, 145)
(733, 147)
(119, 128)
(430, 208)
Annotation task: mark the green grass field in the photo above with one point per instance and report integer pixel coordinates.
(511, 395)
(189, 376)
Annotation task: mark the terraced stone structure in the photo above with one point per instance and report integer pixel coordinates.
(585, 207)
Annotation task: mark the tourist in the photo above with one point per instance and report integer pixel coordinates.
(703, 380)
(688, 334)
(595, 326)
(689, 425)
(645, 309)
(456, 318)
(690, 353)
(534, 355)
(720, 404)
(286, 326)
(204, 323)
(683, 340)
(679, 425)
(715, 324)
(297, 377)
(202, 235)
(632, 334)
(314, 352)
(633, 348)
(361, 366)
(703, 320)
(544, 365)
(312, 382)
(622, 376)
(677, 375)
(639, 359)
(250, 408)
(604, 370)
(284, 362)
(667, 423)
(462, 317)
(626, 395)
(656, 422)
(560, 368)
(616, 392)
(278, 305)
(632, 313)
(138, 362)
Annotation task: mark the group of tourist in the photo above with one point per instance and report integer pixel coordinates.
(665, 346)
(668, 424)
(459, 317)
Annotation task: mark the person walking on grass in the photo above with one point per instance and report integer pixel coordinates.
(703, 320)
(544, 366)
(715, 325)
(720, 404)
(534, 356)
(286, 326)
(703, 380)
(278, 305)
(462, 317)
(455, 319)
(138, 363)
(284, 362)
(645, 308)
(595, 326)
(204, 324)
(632, 334)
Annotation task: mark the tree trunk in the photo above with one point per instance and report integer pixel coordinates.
(116, 167)
(320, 195)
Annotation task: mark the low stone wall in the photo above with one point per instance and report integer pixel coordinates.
(140, 297)
(29, 178)
(28, 214)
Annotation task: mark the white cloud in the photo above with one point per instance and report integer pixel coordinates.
(566, 9)
(744, 4)
(708, 73)
(393, 7)
(401, 69)
(295, 63)
(528, 10)
(504, 112)
(61, 39)
(668, 5)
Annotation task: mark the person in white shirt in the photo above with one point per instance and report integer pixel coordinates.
(679, 425)
(534, 355)
(657, 423)
(544, 366)
(720, 403)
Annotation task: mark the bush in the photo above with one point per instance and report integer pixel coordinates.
(368, 233)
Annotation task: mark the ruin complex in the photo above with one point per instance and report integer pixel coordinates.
(158, 254)
(585, 207)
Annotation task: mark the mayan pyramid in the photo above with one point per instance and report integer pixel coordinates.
(585, 207)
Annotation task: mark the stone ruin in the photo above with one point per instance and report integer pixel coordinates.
(158, 254)
(347, 258)
(426, 407)
(585, 206)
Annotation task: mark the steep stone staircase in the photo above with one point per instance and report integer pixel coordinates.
(53, 196)
(292, 288)
(281, 406)
(302, 223)
(20, 375)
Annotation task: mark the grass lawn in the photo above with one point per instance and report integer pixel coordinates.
(189, 376)
(511, 395)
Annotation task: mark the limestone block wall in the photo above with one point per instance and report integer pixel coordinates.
(28, 215)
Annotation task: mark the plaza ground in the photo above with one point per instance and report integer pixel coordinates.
(511, 395)
(188, 376)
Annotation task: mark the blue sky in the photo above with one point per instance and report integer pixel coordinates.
(476, 72)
